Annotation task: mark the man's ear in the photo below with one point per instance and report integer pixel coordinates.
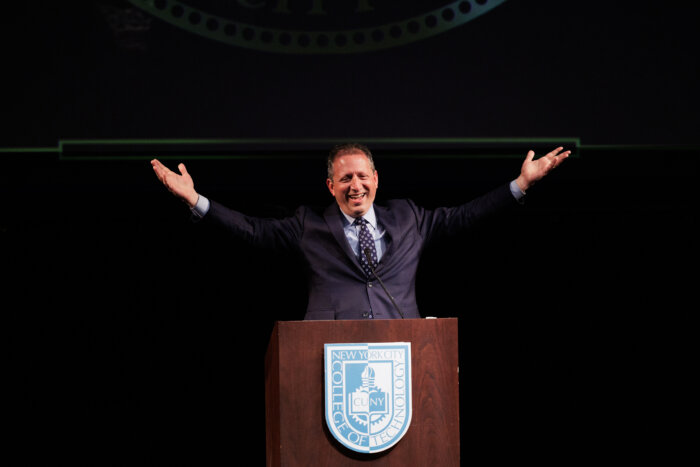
(329, 184)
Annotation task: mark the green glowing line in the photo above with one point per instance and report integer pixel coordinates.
(29, 150)
(263, 141)
(641, 147)
(296, 147)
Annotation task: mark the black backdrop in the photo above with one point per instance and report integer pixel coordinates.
(137, 338)
(618, 73)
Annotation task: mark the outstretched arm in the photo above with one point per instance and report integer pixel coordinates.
(533, 170)
(181, 185)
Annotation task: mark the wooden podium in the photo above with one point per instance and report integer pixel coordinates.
(296, 430)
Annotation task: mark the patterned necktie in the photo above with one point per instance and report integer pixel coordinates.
(366, 242)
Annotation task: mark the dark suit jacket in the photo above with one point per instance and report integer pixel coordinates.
(338, 287)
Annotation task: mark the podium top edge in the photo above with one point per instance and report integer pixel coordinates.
(365, 320)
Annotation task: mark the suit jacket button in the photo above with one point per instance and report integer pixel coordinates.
(369, 284)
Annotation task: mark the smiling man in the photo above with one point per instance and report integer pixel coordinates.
(352, 179)
(362, 258)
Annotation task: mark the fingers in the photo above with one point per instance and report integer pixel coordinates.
(557, 154)
(164, 174)
(548, 162)
(554, 153)
(556, 157)
(559, 158)
(157, 164)
(158, 168)
(182, 169)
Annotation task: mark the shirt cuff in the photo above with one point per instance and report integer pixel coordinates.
(201, 207)
(518, 194)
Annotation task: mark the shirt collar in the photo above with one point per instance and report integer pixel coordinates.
(369, 216)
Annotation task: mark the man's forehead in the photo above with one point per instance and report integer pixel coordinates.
(352, 161)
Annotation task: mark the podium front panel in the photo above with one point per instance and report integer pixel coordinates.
(296, 429)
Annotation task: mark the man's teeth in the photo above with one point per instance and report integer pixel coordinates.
(357, 196)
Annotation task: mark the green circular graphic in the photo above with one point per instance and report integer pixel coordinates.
(317, 41)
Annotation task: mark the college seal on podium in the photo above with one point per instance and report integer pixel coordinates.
(368, 394)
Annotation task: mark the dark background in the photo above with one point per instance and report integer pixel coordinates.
(137, 338)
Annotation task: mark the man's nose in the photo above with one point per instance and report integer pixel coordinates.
(355, 184)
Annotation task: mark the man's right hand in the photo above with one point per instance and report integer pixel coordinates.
(181, 185)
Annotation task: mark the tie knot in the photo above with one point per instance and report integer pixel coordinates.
(360, 221)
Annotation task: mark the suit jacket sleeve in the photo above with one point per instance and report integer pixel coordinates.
(261, 232)
(454, 220)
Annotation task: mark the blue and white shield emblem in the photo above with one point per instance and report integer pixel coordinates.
(368, 394)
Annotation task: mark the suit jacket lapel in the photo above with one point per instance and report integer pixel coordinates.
(334, 219)
(387, 220)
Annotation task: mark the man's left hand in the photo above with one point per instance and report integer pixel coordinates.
(533, 170)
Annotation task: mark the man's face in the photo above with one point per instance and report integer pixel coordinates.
(354, 183)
